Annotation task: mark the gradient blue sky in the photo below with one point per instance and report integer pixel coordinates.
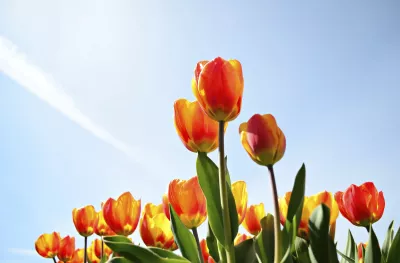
(328, 71)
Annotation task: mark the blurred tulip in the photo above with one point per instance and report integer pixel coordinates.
(165, 204)
(84, 219)
(100, 226)
(155, 228)
(122, 215)
(310, 203)
(360, 251)
(78, 256)
(218, 86)
(239, 190)
(262, 139)
(240, 238)
(361, 205)
(67, 249)
(253, 217)
(48, 245)
(204, 251)
(197, 131)
(92, 255)
(188, 201)
(98, 251)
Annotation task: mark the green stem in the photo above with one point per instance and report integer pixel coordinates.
(54, 259)
(230, 253)
(277, 224)
(85, 252)
(102, 247)
(221, 252)
(332, 231)
(368, 228)
(196, 236)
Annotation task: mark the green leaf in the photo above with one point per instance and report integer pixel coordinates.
(183, 238)
(301, 250)
(212, 244)
(264, 241)
(319, 234)
(394, 251)
(332, 251)
(165, 253)
(387, 242)
(119, 260)
(228, 177)
(373, 251)
(350, 248)
(297, 197)
(356, 259)
(244, 252)
(207, 173)
(288, 235)
(346, 259)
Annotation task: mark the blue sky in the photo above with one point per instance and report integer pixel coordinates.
(95, 119)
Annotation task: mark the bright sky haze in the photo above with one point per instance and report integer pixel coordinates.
(87, 91)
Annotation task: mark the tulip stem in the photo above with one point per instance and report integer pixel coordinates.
(277, 224)
(85, 252)
(230, 253)
(196, 236)
(102, 247)
(332, 231)
(54, 259)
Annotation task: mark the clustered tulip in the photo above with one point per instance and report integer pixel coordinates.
(253, 217)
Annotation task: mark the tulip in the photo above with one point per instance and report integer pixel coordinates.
(48, 245)
(205, 252)
(155, 228)
(92, 255)
(240, 238)
(100, 226)
(165, 204)
(239, 190)
(67, 249)
(360, 252)
(84, 219)
(262, 139)
(310, 203)
(253, 217)
(78, 256)
(197, 131)
(122, 215)
(188, 201)
(218, 86)
(100, 249)
(361, 205)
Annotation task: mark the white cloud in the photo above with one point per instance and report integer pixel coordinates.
(14, 64)
(22, 251)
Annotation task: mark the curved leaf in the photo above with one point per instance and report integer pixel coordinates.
(244, 252)
(373, 251)
(264, 241)
(318, 232)
(394, 252)
(212, 244)
(350, 249)
(387, 242)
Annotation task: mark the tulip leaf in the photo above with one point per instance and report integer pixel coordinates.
(212, 244)
(165, 253)
(394, 251)
(373, 251)
(184, 238)
(207, 172)
(288, 235)
(345, 259)
(301, 250)
(119, 260)
(244, 252)
(228, 177)
(350, 249)
(387, 242)
(264, 241)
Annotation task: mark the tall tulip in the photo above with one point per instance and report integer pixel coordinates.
(48, 245)
(122, 215)
(218, 86)
(197, 131)
(239, 191)
(67, 249)
(310, 203)
(361, 205)
(253, 217)
(84, 219)
(155, 228)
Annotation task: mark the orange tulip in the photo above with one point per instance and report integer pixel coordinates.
(122, 215)
(218, 86)
(188, 201)
(361, 205)
(48, 245)
(92, 255)
(84, 220)
(240, 238)
(262, 139)
(310, 203)
(204, 251)
(360, 251)
(100, 226)
(155, 228)
(239, 190)
(197, 131)
(78, 256)
(67, 249)
(253, 217)
(165, 204)
(96, 245)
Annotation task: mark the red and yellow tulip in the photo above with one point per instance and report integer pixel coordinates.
(239, 190)
(188, 201)
(100, 226)
(197, 131)
(78, 256)
(96, 245)
(361, 205)
(67, 249)
(84, 219)
(165, 205)
(310, 203)
(240, 238)
(204, 251)
(360, 248)
(253, 217)
(155, 228)
(218, 86)
(48, 245)
(92, 255)
(122, 215)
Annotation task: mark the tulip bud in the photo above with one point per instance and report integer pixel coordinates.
(253, 217)
(239, 190)
(240, 238)
(218, 86)
(84, 220)
(360, 248)
(48, 245)
(67, 249)
(262, 139)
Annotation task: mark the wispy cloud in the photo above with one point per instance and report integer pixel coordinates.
(22, 251)
(15, 64)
